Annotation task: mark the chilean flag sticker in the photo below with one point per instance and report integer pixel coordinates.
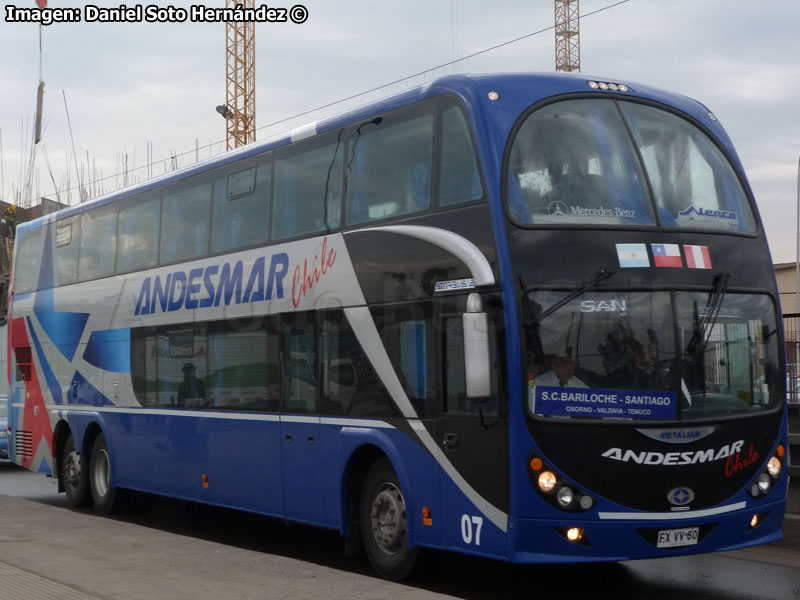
(667, 255)
(697, 257)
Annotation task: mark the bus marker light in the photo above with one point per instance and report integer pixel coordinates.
(780, 452)
(536, 464)
(613, 87)
(494, 96)
(426, 516)
(593, 85)
(547, 481)
(603, 86)
(623, 87)
(205, 481)
(774, 466)
(574, 534)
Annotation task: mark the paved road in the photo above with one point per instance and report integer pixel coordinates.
(181, 550)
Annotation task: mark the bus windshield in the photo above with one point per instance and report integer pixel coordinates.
(621, 355)
(609, 162)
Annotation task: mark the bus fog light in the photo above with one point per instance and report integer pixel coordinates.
(774, 466)
(763, 483)
(565, 496)
(586, 502)
(753, 521)
(574, 534)
(547, 481)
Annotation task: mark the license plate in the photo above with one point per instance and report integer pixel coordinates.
(672, 538)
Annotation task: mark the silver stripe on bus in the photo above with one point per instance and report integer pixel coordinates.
(671, 516)
(355, 423)
(455, 244)
(341, 422)
(364, 327)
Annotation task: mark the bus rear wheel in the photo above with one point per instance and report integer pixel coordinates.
(384, 525)
(74, 475)
(106, 497)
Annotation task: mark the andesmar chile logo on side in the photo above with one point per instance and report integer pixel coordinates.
(233, 283)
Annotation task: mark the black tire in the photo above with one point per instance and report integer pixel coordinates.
(384, 525)
(74, 475)
(106, 497)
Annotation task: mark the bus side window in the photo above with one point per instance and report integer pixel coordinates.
(460, 180)
(298, 363)
(243, 373)
(28, 260)
(241, 206)
(185, 216)
(389, 168)
(98, 243)
(350, 385)
(66, 251)
(139, 225)
(406, 334)
(308, 187)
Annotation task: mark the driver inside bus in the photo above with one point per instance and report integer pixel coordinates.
(561, 373)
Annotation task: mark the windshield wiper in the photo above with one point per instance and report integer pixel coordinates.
(599, 276)
(704, 326)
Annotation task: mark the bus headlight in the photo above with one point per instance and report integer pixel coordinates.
(565, 496)
(763, 483)
(547, 481)
(774, 466)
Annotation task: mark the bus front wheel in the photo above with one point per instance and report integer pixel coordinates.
(384, 525)
(74, 475)
(106, 497)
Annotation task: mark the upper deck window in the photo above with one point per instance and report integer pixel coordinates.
(28, 259)
(603, 162)
(573, 162)
(692, 182)
(391, 168)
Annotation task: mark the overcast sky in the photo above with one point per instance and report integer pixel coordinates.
(133, 83)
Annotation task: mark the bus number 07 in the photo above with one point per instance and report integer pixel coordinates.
(466, 529)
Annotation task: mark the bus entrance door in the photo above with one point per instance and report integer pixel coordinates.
(474, 438)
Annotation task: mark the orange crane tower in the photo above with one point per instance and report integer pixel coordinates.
(568, 30)
(240, 108)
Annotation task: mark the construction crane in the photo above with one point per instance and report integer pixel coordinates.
(568, 30)
(239, 109)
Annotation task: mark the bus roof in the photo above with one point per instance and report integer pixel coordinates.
(518, 90)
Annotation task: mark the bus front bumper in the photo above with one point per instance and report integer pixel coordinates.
(546, 540)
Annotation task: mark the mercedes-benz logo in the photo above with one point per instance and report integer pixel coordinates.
(557, 208)
(680, 496)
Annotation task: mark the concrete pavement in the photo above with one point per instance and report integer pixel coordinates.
(52, 552)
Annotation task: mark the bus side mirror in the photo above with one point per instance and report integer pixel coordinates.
(477, 363)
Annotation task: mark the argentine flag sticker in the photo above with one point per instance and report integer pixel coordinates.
(632, 255)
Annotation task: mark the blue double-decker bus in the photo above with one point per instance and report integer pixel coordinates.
(526, 317)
